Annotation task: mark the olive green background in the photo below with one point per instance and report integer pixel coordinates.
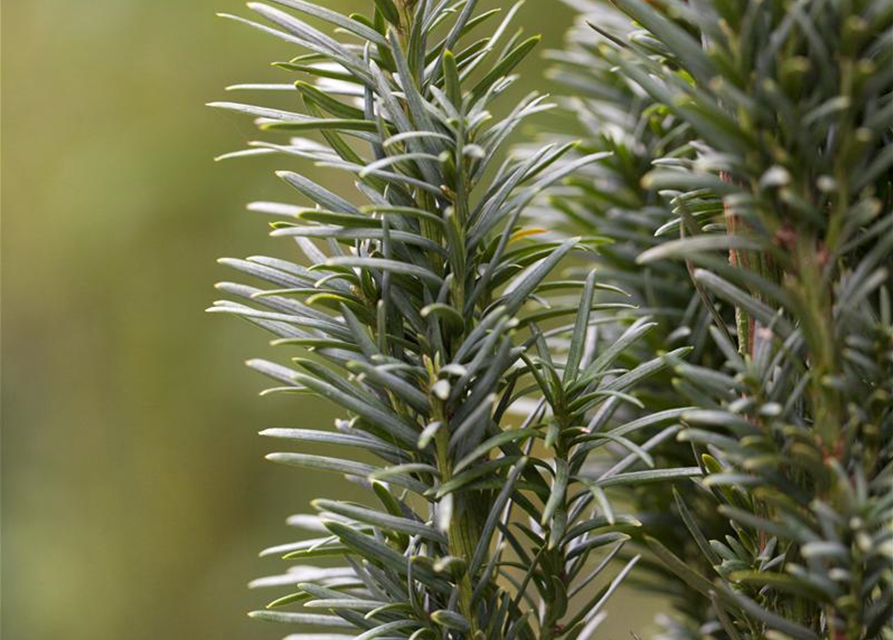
(134, 490)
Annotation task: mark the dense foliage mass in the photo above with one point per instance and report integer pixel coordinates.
(750, 193)
(727, 379)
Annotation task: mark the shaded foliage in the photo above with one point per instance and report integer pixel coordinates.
(750, 194)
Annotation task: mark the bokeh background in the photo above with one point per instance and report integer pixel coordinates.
(134, 492)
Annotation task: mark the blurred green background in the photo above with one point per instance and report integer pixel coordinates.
(134, 492)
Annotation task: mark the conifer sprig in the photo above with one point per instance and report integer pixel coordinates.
(431, 315)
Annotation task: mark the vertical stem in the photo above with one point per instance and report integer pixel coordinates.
(744, 324)
(460, 537)
(815, 297)
(405, 10)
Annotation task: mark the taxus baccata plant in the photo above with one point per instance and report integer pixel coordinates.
(750, 192)
(479, 407)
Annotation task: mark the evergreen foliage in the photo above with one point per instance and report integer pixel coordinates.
(750, 192)
(420, 315)
(728, 379)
